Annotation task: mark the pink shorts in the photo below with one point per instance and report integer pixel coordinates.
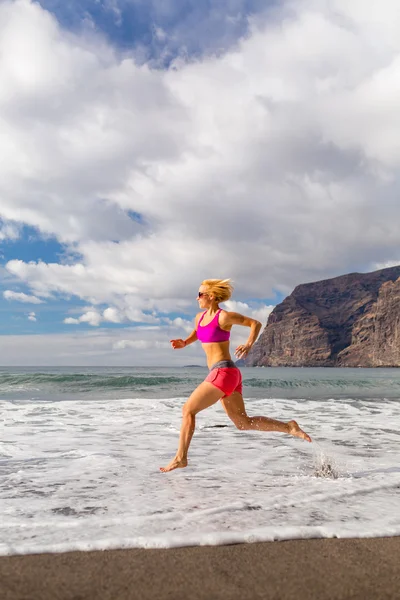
(227, 380)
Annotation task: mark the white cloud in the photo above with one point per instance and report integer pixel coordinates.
(91, 117)
(140, 344)
(92, 317)
(275, 164)
(183, 325)
(21, 297)
(113, 315)
(386, 265)
(32, 317)
(260, 313)
(8, 231)
(98, 347)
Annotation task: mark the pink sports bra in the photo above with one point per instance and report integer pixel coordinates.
(212, 332)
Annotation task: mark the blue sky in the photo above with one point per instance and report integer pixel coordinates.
(162, 29)
(147, 145)
(32, 246)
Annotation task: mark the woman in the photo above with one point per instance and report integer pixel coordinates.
(224, 381)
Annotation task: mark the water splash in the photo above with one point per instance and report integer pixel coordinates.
(324, 466)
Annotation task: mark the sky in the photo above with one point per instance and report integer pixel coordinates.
(146, 145)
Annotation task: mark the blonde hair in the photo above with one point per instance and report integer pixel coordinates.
(221, 289)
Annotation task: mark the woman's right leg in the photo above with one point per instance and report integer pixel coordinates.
(204, 395)
(236, 411)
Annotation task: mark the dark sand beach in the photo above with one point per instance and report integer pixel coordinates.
(299, 569)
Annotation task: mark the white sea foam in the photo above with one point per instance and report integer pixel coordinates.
(82, 475)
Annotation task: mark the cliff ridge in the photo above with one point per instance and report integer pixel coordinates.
(351, 320)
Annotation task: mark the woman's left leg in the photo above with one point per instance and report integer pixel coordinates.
(204, 395)
(235, 409)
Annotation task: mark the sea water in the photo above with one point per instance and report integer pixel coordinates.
(80, 451)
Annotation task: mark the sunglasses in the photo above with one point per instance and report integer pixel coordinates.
(201, 294)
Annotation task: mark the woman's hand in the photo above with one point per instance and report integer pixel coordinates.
(242, 350)
(176, 344)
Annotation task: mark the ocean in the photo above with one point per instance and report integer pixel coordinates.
(80, 451)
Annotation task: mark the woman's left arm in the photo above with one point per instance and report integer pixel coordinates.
(231, 318)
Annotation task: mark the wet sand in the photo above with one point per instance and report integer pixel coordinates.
(364, 569)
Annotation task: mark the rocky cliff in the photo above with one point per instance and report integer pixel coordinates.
(352, 320)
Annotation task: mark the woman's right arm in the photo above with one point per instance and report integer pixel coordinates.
(176, 344)
(192, 338)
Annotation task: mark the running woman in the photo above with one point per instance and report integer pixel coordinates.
(224, 381)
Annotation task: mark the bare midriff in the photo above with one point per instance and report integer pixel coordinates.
(216, 351)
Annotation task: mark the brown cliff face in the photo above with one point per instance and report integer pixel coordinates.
(352, 320)
(376, 335)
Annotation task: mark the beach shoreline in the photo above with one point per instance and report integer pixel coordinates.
(356, 568)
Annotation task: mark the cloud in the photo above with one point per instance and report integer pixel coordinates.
(90, 113)
(140, 344)
(274, 163)
(32, 317)
(187, 326)
(112, 315)
(21, 297)
(8, 231)
(386, 265)
(260, 313)
(92, 317)
(130, 347)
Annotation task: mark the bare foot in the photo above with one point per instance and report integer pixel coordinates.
(175, 463)
(295, 430)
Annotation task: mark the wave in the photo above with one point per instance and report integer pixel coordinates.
(176, 383)
(321, 383)
(217, 538)
(85, 381)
